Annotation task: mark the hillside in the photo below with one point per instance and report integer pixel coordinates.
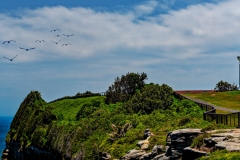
(81, 128)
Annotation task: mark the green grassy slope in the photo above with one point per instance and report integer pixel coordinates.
(67, 128)
(230, 99)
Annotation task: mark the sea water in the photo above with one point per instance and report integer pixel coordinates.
(4, 128)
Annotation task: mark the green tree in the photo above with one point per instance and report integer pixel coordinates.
(225, 86)
(125, 87)
(151, 97)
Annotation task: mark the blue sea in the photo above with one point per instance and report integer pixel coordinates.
(4, 128)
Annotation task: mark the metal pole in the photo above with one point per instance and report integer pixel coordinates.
(238, 57)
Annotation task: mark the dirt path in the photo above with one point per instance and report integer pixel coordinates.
(216, 107)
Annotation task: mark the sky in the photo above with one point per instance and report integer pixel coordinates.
(188, 45)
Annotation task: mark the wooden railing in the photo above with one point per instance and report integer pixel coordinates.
(231, 119)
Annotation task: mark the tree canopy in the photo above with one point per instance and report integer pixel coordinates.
(225, 86)
(125, 87)
(150, 98)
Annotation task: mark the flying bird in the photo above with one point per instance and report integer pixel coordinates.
(9, 58)
(8, 41)
(40, 41)
(67, 35)
(56, 42)
(57, 35)
(55, 30)
(27, 49)
(67, 44)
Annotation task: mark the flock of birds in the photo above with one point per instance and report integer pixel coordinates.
(40, 41)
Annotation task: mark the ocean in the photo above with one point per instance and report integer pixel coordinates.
(4, 127)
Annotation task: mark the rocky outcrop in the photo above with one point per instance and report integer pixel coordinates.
(224, 139)
(176, 142)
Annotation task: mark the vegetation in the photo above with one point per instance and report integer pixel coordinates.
(225, 86)
(151, 97)
(83, 127)
(222, 155)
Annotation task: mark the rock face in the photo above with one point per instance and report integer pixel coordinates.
(16, 153)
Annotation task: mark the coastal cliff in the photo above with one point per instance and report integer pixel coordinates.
(88, 128)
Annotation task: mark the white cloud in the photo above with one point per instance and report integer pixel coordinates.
(146, 8)
(189, 48)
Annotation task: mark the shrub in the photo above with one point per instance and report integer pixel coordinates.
(151, 97)
(225, 86)
(183, 121)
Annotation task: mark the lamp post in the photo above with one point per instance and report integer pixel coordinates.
(238, 57)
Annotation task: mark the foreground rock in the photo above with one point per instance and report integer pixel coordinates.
(225, 139)
(178, 144)
(178, 140)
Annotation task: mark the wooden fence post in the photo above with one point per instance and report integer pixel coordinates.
(238, 119)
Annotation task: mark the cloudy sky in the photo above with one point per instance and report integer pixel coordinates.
(187, 45)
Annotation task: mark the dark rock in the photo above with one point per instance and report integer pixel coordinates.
(147, 133)
(168, 139)
(192, 154)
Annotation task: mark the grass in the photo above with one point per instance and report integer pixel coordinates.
(222, 155)
(230, 99)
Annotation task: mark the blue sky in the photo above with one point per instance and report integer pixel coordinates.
(185, 44)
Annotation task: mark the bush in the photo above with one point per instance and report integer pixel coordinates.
(225, 86)
(184, 121)
(88, 109)
(151, 97)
